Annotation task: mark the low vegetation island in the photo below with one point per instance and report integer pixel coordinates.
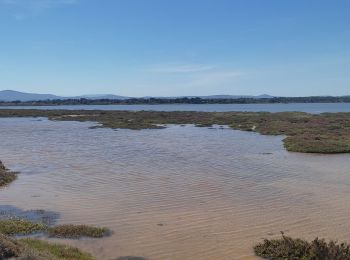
(29, 248)
(307, 133)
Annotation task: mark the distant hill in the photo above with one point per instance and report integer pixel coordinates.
(11, 95)
(15, 98)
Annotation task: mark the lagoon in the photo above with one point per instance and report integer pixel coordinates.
(314, 108)
(176, 193)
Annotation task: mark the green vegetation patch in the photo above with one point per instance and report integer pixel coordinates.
(6, 176)
(20, 227)
(54, 251)
(77, 231)
(34, 249)
(17, 226)
(290, 248)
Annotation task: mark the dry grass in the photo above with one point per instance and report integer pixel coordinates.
(8, 247)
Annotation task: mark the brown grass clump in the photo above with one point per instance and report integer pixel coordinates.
(291, 248)
(8, 247)
(77, 231)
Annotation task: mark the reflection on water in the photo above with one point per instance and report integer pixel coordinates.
(176, 193)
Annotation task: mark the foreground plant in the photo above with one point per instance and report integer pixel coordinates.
(8, 247)
(77, 231)
(291, 248)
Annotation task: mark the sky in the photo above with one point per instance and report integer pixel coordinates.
(175, 47)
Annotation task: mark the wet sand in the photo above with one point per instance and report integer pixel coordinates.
(176, 193)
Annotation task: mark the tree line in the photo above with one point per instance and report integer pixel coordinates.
(182, 100)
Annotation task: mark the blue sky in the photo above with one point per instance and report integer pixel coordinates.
(176, 47)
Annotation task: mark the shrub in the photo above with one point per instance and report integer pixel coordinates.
(291, 248)
(8, 247)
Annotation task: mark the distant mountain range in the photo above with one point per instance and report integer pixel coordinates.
(11, 95)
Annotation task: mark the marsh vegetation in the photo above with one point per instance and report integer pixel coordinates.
(18, 226)
(21, 227)
(28, 248)
(35, 249)
(77, 231)
(6, 176)
(307, 133)
(295, 248)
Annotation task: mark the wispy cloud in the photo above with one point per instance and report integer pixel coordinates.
(181, 68)
(214, 78)
(189, 75)
(24, 8)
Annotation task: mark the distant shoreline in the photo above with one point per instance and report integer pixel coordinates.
(173, 101)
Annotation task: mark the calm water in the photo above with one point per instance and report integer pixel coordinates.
(175, 193)
(310, 108)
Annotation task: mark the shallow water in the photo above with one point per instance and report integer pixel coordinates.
(314, 108)
(175, 193)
